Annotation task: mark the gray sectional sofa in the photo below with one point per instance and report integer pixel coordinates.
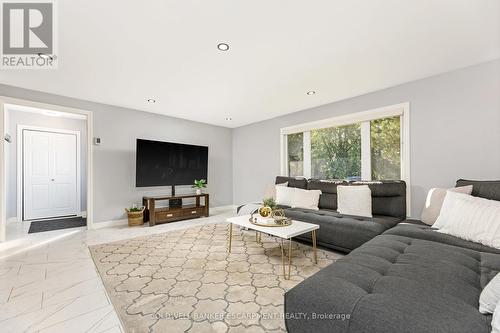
(409, 279)
(343, 232)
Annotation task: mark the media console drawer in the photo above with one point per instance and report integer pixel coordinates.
(193, 211)
(160, 216)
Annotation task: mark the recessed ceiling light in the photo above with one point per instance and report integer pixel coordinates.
(223, 46)
(312, 92)
(228, 118)
(151, 100)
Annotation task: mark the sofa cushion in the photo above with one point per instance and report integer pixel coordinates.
(425, 232)
(471, 218)
(298, 182)
(354, 200)
(490, 296)
(341, 232)
(396, 284)
(489, 189)
(388, 196)
(328, 188)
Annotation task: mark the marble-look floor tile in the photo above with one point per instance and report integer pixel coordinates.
(86, 322)
(49, 283)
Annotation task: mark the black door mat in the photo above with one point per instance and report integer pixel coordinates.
(56, 224)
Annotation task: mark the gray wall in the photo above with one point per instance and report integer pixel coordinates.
(455, 132)
(16, 118)
(114, 160)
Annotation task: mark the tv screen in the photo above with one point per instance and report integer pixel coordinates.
(166, 163)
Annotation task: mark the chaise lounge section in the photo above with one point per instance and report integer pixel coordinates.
(409, 279)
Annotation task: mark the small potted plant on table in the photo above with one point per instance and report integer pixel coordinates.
(199, 185)
(269, 204)
(135, 215)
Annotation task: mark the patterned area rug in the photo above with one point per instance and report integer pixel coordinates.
(185, 280)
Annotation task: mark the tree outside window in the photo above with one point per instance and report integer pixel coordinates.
(336, 152)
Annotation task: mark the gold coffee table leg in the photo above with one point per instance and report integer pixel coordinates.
(289, 257)
(258, 237)
(230, 235)
(283, 257)
(314, 247)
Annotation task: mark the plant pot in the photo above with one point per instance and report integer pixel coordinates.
(135, 218)
(198, 191)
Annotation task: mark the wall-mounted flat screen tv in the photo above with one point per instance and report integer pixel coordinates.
(167, 163)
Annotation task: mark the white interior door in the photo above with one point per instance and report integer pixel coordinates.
(49, 174)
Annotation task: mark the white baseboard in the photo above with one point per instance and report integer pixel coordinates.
(114, 223)
(15, 219)
(222, 208)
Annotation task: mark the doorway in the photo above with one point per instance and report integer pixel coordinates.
(45, 168)
(50, 171)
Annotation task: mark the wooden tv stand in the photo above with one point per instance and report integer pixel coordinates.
(170, 214)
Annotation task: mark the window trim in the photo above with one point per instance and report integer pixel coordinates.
(402, 110)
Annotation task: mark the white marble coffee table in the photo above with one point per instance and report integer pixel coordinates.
(284, 233)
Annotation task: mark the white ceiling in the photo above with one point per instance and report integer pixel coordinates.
(122, 52)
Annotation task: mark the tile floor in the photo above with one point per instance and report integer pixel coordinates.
(48, 281)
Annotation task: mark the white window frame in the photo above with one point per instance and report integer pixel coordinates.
(402, 110)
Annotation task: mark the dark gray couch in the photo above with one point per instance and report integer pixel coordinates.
(409, 279)
(343, 232)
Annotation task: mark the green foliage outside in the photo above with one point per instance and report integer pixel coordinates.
(295, 154)
(336, 152)
(386, 148)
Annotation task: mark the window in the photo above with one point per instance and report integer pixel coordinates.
(385, 138)
(295, 144)
(363, 146)
(336, 152)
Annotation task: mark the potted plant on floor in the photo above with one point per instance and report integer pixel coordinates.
(199, 185)
(135, 215)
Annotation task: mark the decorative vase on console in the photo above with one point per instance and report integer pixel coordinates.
(199, 185)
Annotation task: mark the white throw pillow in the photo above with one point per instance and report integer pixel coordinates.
(434, 202)
(490, 296)
(354, 200)
(471, 218)
(307, 199)
(495, 321)
(270, 191)
(284, 195)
